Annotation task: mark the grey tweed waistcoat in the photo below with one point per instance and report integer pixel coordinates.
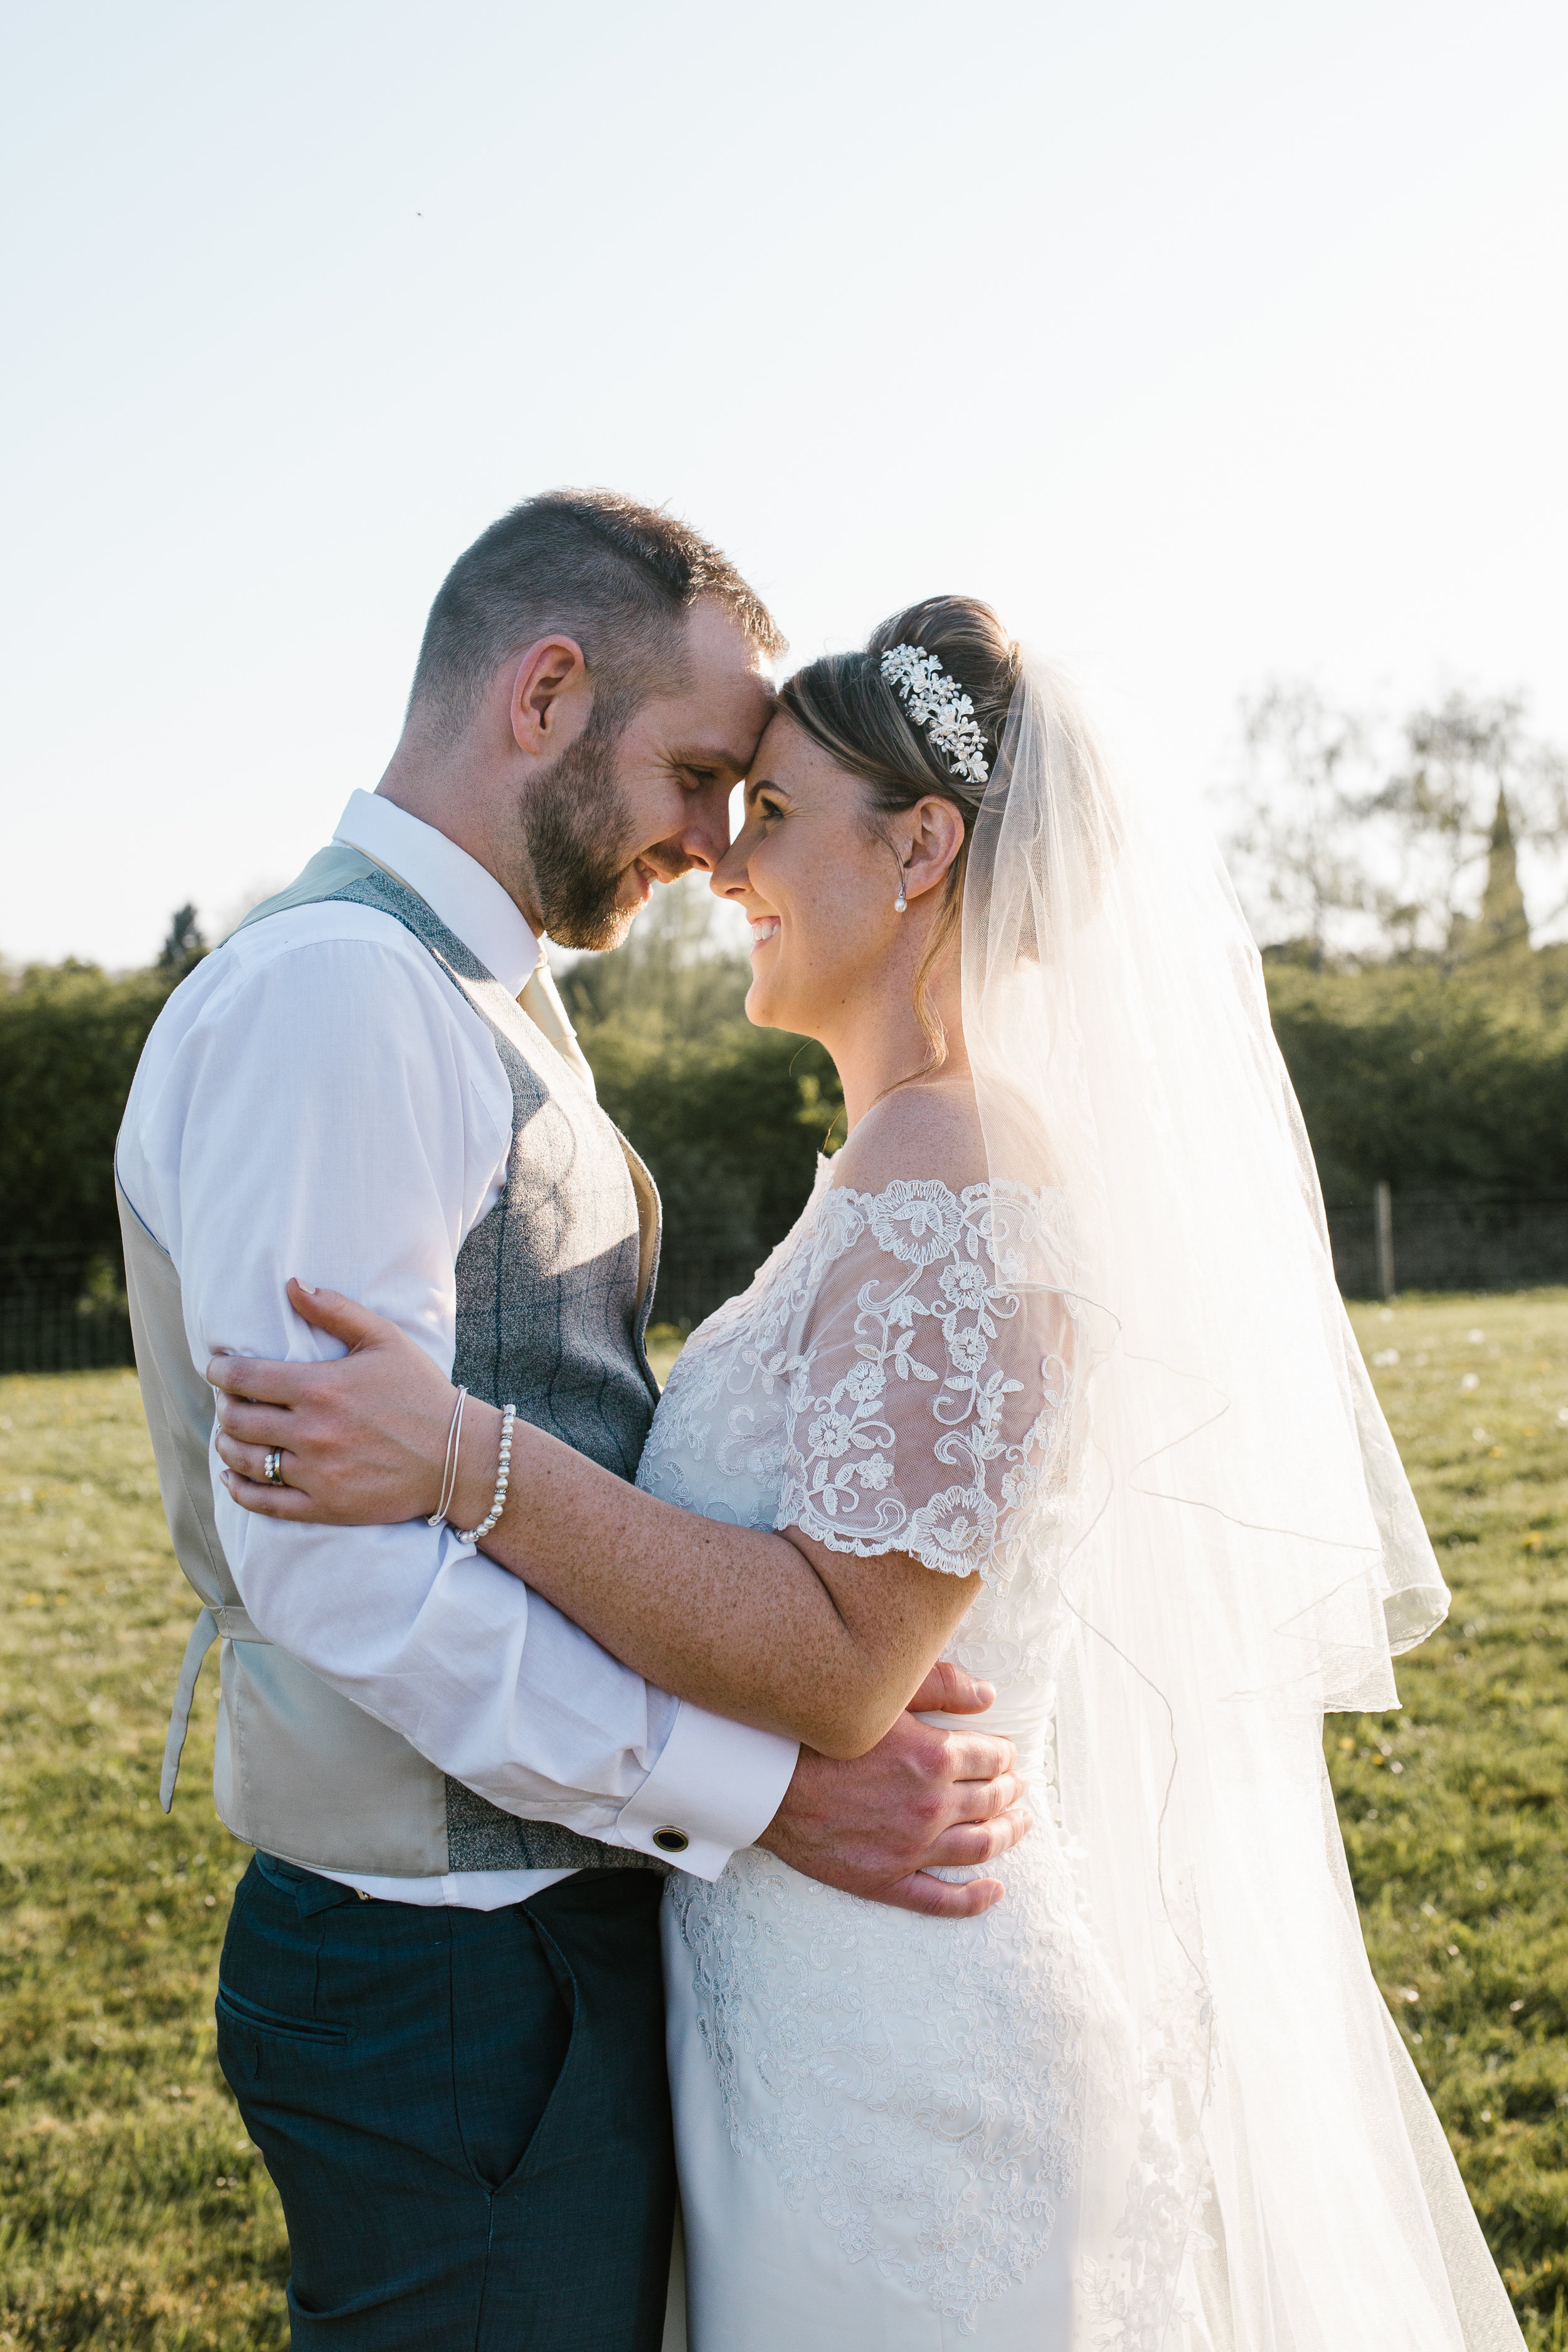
(553, 1287)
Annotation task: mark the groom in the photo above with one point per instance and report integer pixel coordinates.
(439, 2003)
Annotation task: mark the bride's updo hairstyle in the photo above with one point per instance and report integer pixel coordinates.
(845, 704)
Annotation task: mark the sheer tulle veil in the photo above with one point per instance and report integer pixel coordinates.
(1243, 1553)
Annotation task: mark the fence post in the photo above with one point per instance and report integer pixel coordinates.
(1382, 1222)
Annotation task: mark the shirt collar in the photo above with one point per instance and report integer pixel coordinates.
(454, 885)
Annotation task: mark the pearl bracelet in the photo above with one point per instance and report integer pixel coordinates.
(503, 1472)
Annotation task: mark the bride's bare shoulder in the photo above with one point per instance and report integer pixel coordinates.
(928, 1131)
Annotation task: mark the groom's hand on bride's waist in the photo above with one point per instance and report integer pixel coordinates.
(923, 1799)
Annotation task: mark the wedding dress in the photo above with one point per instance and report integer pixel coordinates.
(882, 2117)
(1093, 1353)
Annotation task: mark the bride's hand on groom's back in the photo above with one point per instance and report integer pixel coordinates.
(923, 1799)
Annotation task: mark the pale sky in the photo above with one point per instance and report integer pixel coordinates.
(1208, 343)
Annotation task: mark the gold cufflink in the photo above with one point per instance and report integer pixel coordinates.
(670, 1840)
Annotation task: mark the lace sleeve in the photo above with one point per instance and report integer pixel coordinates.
(927, 1381)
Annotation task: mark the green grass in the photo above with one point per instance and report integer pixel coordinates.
(1453, 1810)
(134, 2214)
(665, 1342)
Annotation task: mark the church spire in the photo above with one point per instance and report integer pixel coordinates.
(1502, 928)
(1503, 924)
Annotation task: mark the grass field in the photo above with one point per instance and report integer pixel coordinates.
(134, 2212)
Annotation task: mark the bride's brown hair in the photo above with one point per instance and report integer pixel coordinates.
(844, 703)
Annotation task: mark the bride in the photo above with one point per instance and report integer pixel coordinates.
(1050, 1379)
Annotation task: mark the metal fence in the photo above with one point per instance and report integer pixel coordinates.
(1386, 1241)
(690, 1286)
(61, 1311)
(1392, 1241)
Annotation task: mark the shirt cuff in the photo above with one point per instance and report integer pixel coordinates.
(715, 1788)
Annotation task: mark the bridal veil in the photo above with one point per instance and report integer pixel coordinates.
(1245, 1554)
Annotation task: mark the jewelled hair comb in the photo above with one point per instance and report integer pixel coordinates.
(939, 704)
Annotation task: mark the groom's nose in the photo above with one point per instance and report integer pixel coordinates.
(703, 838)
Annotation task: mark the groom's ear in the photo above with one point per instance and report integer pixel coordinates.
(550, 697)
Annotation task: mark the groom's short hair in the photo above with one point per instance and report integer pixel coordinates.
(618, 577)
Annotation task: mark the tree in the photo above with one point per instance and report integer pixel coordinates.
(1296, 845)
(71, 1035)
(674, 974)
(1474, 784)
(184, 947)
(1427, 1079)
(1340, 852)
(69, 1038)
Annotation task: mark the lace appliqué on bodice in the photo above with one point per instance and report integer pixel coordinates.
(889, 1383)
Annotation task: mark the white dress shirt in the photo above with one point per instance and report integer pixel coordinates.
(320, 1101)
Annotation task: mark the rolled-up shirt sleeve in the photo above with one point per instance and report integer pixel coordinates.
(333, 1110)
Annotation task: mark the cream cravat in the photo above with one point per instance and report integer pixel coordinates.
(540, 1000)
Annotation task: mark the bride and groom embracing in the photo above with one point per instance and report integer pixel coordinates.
(894, 1753)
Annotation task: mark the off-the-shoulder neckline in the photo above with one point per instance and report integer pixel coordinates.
(980, 1185)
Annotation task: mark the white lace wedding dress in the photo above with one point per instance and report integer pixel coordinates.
(882, 2120)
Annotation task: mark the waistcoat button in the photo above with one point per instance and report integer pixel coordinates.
(669, 1840)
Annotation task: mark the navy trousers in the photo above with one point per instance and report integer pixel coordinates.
(467, 2112)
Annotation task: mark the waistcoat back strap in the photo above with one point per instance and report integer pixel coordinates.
(228, 1621)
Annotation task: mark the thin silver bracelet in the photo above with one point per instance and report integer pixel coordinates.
(503, 1472)
(449, 1468)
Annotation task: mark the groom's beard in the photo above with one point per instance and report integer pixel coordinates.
(574, 826)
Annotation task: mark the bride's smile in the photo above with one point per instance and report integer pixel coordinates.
(816, 885)
(846, 902)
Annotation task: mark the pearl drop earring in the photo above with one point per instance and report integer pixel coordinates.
(901, 904)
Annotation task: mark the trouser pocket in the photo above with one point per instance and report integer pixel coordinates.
(268, 1992)
(250, 2016)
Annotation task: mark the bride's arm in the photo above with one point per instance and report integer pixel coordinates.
(772, 1629)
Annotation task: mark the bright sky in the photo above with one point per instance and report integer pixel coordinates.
(1207, 342)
